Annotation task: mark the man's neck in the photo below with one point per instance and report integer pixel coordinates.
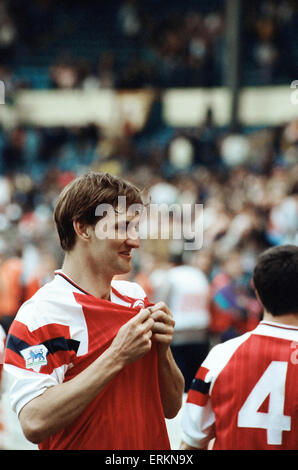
(96, 284)
(288, 319)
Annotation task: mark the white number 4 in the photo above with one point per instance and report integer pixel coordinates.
(271, 383)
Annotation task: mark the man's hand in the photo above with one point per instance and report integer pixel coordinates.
(133, 339)
(163, 328)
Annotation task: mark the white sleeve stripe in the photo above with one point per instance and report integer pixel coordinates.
(28, 384)
(198, 424)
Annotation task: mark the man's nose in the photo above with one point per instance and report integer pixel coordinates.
(133, 239)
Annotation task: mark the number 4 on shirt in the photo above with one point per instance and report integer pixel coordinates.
(271, 383)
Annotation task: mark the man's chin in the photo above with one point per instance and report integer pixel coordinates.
(122, 274)
(124, 268)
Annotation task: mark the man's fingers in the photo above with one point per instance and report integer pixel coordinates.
(149, 334)
(160, 306)
(142, 316)
(162, 328)
(148, 324)
(161, 338)
(154, 319)
(161, 316)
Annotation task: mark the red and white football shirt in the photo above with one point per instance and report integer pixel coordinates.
(56, 335)
(245, 393)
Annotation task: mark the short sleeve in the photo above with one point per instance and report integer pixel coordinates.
(198, 420)
(36, 359)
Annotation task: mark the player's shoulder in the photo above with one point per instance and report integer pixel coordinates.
(49, 300)
(231, 344)
(221, 353)
(129, 288)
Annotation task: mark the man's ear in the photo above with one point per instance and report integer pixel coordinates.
(256, 294)
(82, 230)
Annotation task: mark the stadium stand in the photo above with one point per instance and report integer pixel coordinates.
(150, 43)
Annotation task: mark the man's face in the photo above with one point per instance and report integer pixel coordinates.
(113, 239)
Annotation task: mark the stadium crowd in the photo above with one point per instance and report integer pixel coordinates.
(133, 44)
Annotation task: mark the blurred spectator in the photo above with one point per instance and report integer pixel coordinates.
(5, 191)
(8, 34)
(129, 19)
(12, 293)
(283, 219)
(104, 74)
(44, 272)
(185, 289)
(235, 150)
(181, 154)
(64, 75)
(234, 307)
(265, 52)
(136, 74)
(13, 153)
(205, 140)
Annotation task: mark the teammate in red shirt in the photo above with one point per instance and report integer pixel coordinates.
(244, 396)
(91, 356)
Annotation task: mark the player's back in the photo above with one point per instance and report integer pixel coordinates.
(254, 397)
(245, 393)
